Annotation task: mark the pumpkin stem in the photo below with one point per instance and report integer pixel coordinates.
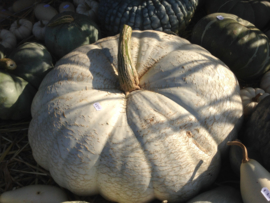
(127, 73)
(256, 98)
(240, 144)
(42, 24)
(61, 20)
(7, 64)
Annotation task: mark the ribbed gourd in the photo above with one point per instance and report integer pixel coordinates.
(161, 15)
(134, 117)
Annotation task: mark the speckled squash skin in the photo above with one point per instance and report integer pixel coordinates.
(163, 141)
(237, 42)
(161, 15)
(18, 87)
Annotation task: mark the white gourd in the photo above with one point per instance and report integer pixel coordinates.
(89, 8)
(34, 194)
(21, 28)
(66, 6)
(265, 82)
(8, 39)
(251, 97)
(20, 5)
(39, 29)
(44, 11)
(162, 141)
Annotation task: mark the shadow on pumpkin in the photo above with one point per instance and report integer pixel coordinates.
(173, 145)
(243, 48)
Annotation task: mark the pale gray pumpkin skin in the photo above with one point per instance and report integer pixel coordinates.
(162, 141)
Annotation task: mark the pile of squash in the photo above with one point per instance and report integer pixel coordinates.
(139, 100)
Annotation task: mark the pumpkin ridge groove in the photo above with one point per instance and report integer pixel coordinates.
(227, 3)
(158, 6)
(183, 11)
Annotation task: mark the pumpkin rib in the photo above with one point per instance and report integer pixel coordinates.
(233, 6)
(155, 18)
(181, 8)
(247, 63)
(115, 16)
(126, 11)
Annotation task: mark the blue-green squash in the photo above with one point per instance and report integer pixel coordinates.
(161, 15)
(69, 30)
(20, 76)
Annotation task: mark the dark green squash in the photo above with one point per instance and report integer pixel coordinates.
(257, 133)
(237, 42)
(255, 11)
(161, 15)
(18, 86)
(69, 30)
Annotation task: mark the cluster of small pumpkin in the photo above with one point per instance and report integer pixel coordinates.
(163, 138)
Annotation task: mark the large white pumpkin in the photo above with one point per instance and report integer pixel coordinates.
(162, 141)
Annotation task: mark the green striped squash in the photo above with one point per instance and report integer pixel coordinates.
(237, 42)
(19, 85)
(255, 11)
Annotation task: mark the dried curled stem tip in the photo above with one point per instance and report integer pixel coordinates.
(240, 144)
(7, 64)
(61, 20)
(256, 98)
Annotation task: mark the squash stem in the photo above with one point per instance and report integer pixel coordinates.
(256, 98)
(61, 20)
(127, 73)
(240, 144)
(7, 64)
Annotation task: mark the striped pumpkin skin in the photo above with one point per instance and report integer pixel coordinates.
(161, 15)
(237, 42)
(255, 11)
